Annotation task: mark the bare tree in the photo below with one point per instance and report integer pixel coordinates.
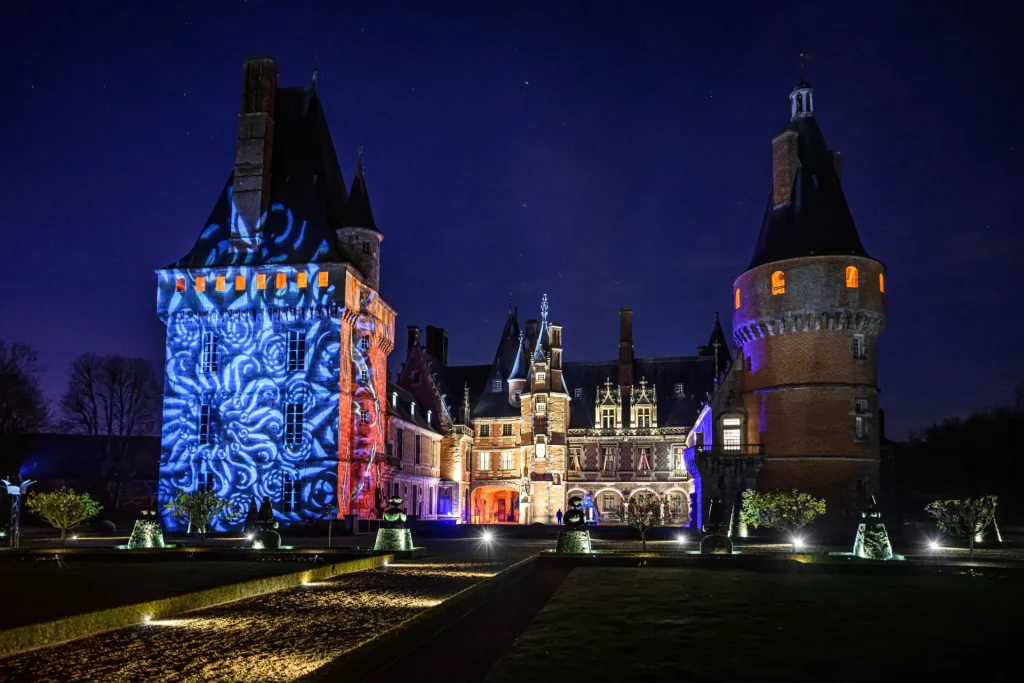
(112, 398)
(23, 409)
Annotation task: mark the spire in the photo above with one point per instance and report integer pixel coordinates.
(505, 354)
(718, 346)
(542, 337)
(801, 98)
(521, 367)
(358, 213)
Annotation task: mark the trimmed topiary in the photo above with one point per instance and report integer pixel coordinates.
(872, 542)
(147, 532)
(575, 538)
(716, 544)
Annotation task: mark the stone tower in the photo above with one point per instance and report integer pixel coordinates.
(808, 313)
(360, 238)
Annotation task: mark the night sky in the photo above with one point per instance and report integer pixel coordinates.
(609, 154)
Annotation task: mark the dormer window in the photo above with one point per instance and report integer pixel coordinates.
(429, 413)
(394, 399)
(496, 385)
(679, 389)
(412, 408)
(577, 393)
(778, 283)
(541, 377)
(542, 408)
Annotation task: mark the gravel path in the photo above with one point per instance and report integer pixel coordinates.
(274, 637)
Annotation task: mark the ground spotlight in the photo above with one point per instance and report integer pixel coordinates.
(798, 543)
(146, 618)
(681, 539)
(487, 537)
(251, 536)
(934, 545)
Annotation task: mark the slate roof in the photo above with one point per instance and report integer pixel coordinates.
(358, 213)
(306, 180)
(402, 409)
(817, 219)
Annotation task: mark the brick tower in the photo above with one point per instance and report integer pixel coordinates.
(808, 313)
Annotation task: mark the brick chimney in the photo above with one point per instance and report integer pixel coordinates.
(625, 360)
(784, 165)
(532, 331)
(413, 339)
(437, 343)
(255, 147)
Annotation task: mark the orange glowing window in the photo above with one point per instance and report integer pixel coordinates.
(200, 284)
(179, 284)
(240, 283)
(303, 280)
(220, 283)
(737, 299)
(881, 283)
(282, 281)
(851, 277)
(261, 281)
(321, 278)
(778, 282)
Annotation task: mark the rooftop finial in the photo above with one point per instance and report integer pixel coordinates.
(316, 70)
(544, 308)
(360, 166)
(804, 58)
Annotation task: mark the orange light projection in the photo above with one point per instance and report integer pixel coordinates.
(240, 283)
(220, 283)
(303, 280)
(261, 281)
(179, 284)
(321, 278)
(881, 283)
(200, 284)
(778, 282)
(737, 299)
(851, 277)
(282, 281)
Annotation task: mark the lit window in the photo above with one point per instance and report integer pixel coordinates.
(293, 423)
(485, 461)
(289, 494)
(609, 502)
(737, 302)
(608, 462)
(542, 407)
(577, 393)
(302, 279)
(209, 356)
(507, 460)
(200, 284)
(679, 389)
(261, 281)
(860, 409)
(364, 342)
(541, 376)
(608, 418)
(506, 429)
(321, 278)
(296, 350)
(364, 377)
(778, 282)
(851, 277)
(575, 459)
(643, 417)
(219, 286)
(644, 461)
(240, 283)
(731, 434)
(485, 430)
(179, 284)
(282, 281)
(205, 424)
(860, 347)
(364, 416)
(366, 247)
(881, 283)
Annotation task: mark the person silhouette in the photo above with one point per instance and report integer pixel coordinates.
(558, 516)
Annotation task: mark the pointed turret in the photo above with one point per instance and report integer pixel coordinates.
(718, 346)
(360, 238)
(358, 213)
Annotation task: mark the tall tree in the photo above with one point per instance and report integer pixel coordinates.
(112, 398)
(23, 409)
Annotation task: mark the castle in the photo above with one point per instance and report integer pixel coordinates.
(278, 338)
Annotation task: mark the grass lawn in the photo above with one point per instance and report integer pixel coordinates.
(692, 624)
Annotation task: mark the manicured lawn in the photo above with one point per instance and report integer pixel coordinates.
(682, 624)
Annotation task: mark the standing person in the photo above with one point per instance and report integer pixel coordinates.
(558, 516)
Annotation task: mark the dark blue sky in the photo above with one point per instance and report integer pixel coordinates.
(609, 154)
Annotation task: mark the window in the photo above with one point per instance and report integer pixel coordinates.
(541, 377)
(644, 461)
(364, 416)
(366, 247)
(881, 283)
(209, 355)
(289, 494)
(608, 459)
(496, 385)
(444, 500)
(643, 417)
(731, 434)
(485, 461)
(296, 350)
(207, 481)
(322, 278)
(364, 342)
(860, 348)
(419, 446)
(507, 460)
(575, 460)
(679, 390)
(556, 479)
(609, 502)
(282, 281)
(577, 393)
(851, 277)
(205, 424)
(675, 502)
(261, 281)
(179, 284)
(778, 282)
(219, 283)
(364, 376)
(485, 430)
(302, 279)
(860, 410)
(293, 424)
(542, 450)
(200, 284)
(400, 438)
(239, 283)
(506, 430)
(607, 418)
(542, 408)
(736, 304)
(394, 399)
(434, 448)
(430, 500)
(677, 459)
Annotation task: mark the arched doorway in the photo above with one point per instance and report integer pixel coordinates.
(495, 505)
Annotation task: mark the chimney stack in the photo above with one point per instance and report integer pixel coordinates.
(253, 153)
(785, 162)
(531, 334)
(413, 339)
(437, 343)
(625, 360)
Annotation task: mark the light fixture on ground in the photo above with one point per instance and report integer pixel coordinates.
(681, 540)
(798, 543)
(934, 545)
(487, 537)
(146, 618)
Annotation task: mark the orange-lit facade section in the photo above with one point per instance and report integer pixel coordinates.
(200, 284)
(737, 303)
(240, 283)
(778, 283)
(220, 283)
(881, 283)
(852, 280)
(321, 278)
(303, 280)
(179, 284)
(261, 281)
(282, 281)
